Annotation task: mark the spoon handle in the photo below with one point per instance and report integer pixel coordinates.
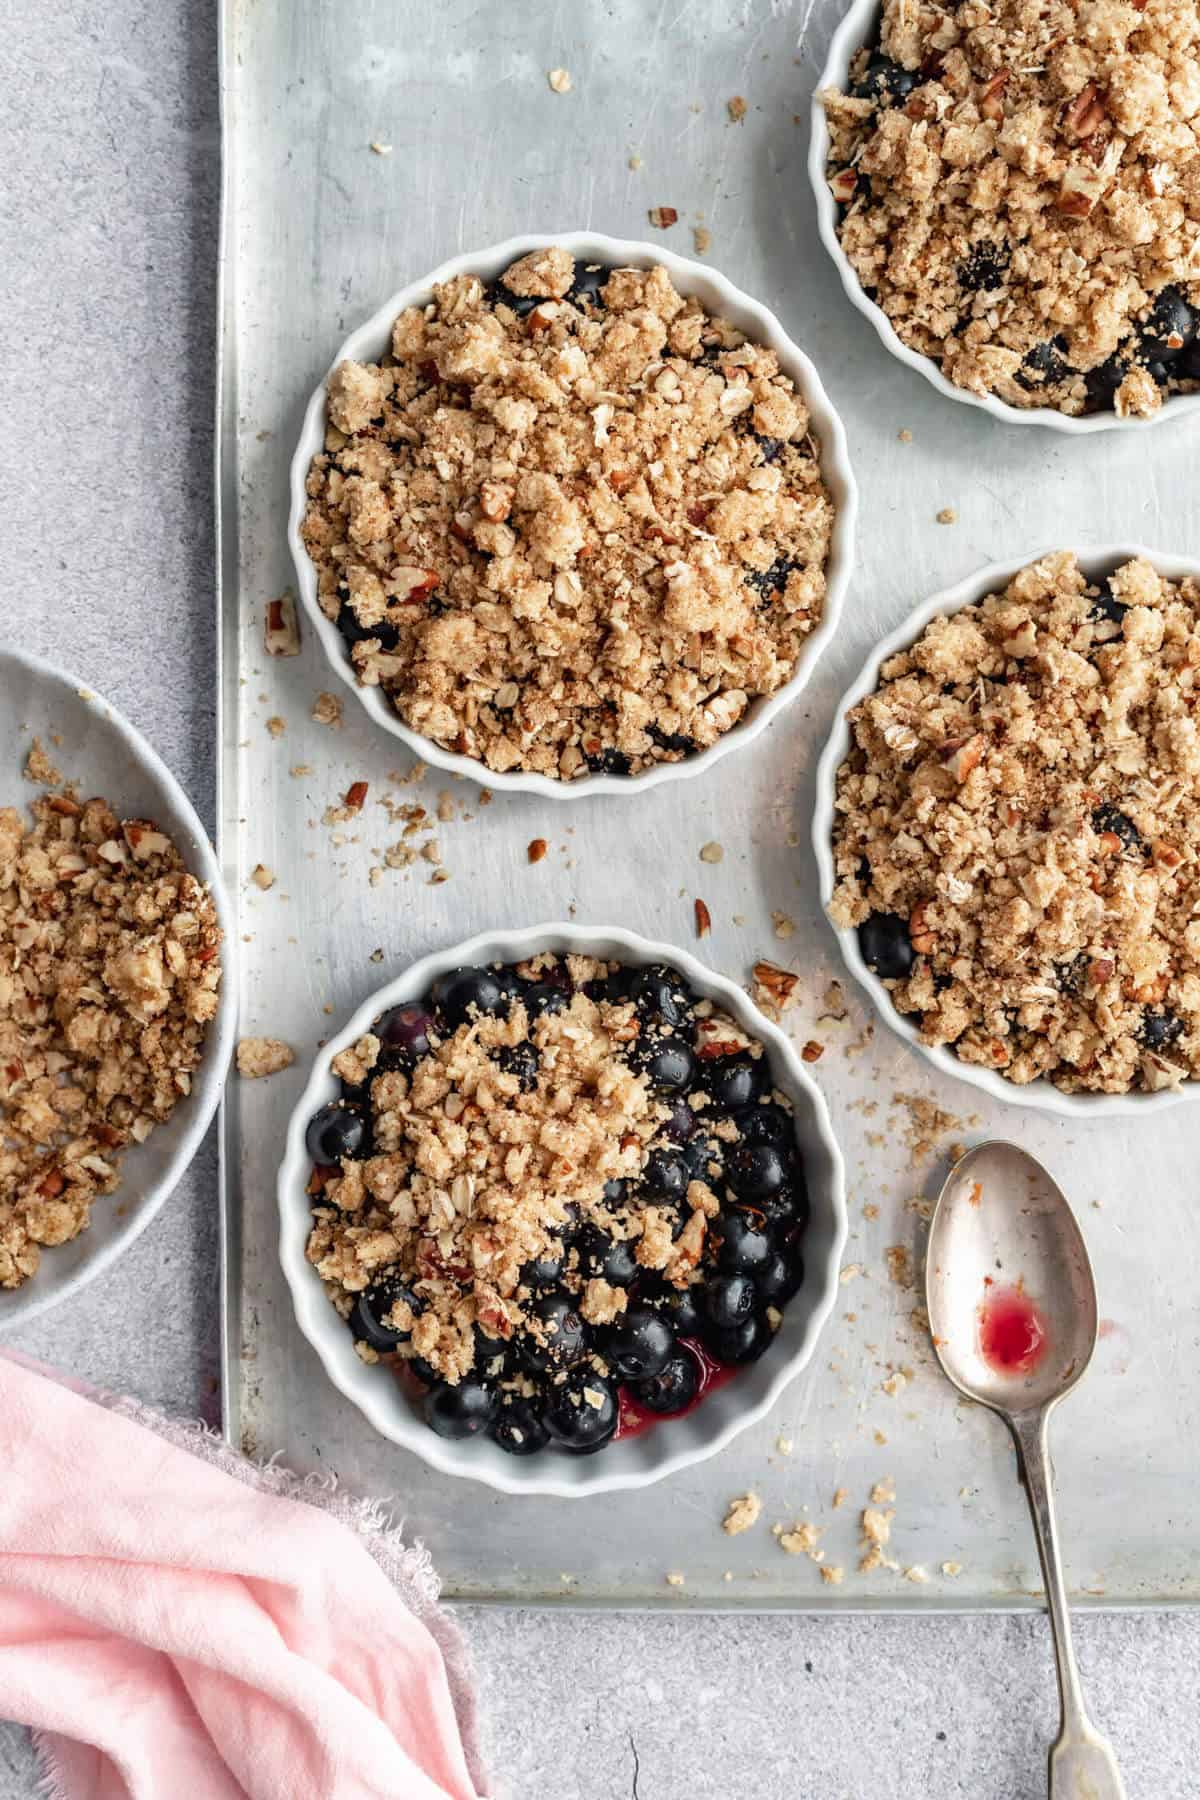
(1082, 1764)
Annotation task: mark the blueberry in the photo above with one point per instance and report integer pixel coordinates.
(540, 997)
(1106, 606)
(609, 1259)
(613, 987)
(518, 1427)
(1188, 366)
(1044, 365)
(333, 1133)
(681, 1124)
(665, 1176)
(589, 279)
(521, 1060)
(1160, 372)
(742, 1343)
(677, 1305)
(616, 1193)
(779, 1278)
(366, 1319)
(459, 1412)
(727, 1300)
(495, 1360)
(755, 1171)
(885, 81)
(423, 1371)
(497, 294)
(886, 947)
(769, 1124)
(677, 743)
(984, 268)
(544, 1271)
(563, 1330)
(1160, 1029)
(660, 994)
(768, 582)
(739, 1247)
(734, 1081)
(461, 993)
(639, 1344)
(667, 1062)
(1111, 818)
(704, 1159)
(787, 1206)
(581, 1413)
(769, 448)
(406, 1029)
(607, 762)
(1072, 976)
(354, 633)
(1102, 383)
(1169, 328)
(673, 1389)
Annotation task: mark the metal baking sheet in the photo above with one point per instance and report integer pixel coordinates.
(319, 229)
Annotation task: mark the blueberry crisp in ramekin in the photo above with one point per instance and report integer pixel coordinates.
(1020, 192)
(1017, 829)
(561, 1197)
(570, 522)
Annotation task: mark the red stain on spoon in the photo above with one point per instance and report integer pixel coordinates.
(1012, 1332)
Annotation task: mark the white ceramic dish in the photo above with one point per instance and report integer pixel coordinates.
(1095, 561)
(92, 743)
(674, 1444)
(859, 27)
(371, 340)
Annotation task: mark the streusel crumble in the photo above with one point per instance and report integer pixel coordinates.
(571, 522)
(1020, 193)
(1018, 823)
(564, 1194)
(109, 971)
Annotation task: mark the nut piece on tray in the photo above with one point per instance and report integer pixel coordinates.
(562, 1197)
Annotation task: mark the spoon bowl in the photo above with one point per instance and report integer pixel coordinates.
(1003, 1232)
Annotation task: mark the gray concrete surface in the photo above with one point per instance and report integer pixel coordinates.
(110, 154)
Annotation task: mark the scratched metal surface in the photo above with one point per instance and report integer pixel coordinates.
(319, 230)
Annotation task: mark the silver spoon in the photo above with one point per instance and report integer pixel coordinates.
(1012, 1308)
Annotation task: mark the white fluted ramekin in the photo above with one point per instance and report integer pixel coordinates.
(97, 747)
(372, 340)
(665, 1447)
(1096, 561)
(860, 27)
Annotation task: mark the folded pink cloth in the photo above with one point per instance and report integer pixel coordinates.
(174, 1626)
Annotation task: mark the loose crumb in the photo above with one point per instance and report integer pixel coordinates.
(39, 768)
(785, 925)
(712, 853)
(536, 849)
(840, 1496)
(742, 1514)
(947, 516)
(783, 1445)
(262, 876)
(675, 1579)
(381, 149)
(327, 710)
(812, 1051)
(281, 633)
(560, 80)
(701, 239)
(833, 1574)
(276, 726)
(905, 436)
(259, 1056)
(736, 108)
(663, 217)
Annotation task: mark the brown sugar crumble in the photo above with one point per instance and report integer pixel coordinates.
(1018, 192)
(570, 522)
(742, 1514)
(260, 1056)
(1022, 798)
(109, 975)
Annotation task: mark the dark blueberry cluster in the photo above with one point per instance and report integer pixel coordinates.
(558, 1383)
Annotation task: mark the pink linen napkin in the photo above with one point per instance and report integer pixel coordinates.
(178, 1624)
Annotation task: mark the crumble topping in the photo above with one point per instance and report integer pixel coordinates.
(1020, 193)
(1017, 823)
(570, 522)
(742, 1514)
(109, 971)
